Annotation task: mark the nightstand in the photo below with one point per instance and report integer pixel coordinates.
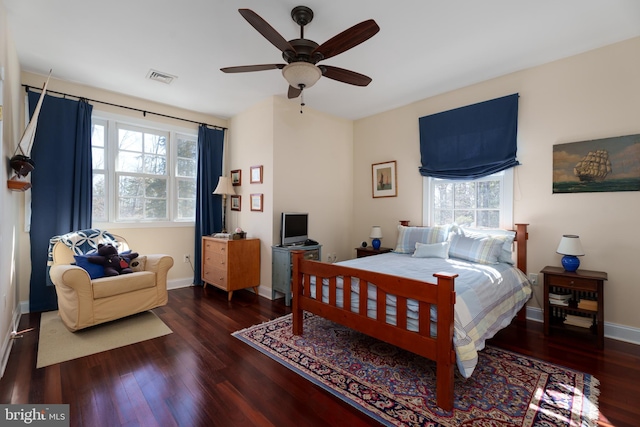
(577, 299)
(369, 251)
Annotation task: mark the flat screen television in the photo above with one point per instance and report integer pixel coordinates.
(294, 228)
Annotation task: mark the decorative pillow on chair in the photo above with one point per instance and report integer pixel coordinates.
(137, 264)
(409, 236)
(480, 249)
(95, 271)
(434, 250)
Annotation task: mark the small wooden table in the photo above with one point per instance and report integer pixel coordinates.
(369, 251)
(581, 285)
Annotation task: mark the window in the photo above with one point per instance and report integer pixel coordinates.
(484, 202)
(142, 174)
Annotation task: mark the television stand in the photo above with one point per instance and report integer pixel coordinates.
(281, 267)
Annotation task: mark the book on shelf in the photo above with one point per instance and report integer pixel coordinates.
(583, 322)
(565, 297)
(559, 299)
(588, 304)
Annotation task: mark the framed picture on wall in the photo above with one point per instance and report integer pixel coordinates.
(256, 202)
(236, 177)
(256, 174)
(383, 179)
(236, 202)
(597, 165)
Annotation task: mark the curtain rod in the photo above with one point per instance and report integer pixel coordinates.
(144, 112)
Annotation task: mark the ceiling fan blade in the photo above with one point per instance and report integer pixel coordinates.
(248, 68)
(267, 31)
(345, 76)
(293, 92)
(347, 39)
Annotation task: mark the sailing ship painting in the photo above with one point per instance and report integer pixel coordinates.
(594, 167)
(384, 179)
(608, 164)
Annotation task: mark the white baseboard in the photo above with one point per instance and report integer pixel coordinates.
(611, 330)
(179, 283)
(7, 342)
(263, 291)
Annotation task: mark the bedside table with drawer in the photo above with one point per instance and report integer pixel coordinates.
(369, 251)
(577, 301)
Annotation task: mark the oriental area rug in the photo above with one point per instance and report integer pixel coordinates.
(397, 388)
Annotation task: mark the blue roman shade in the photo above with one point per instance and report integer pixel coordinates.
(470, 142)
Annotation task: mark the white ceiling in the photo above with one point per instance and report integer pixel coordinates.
(424, 47)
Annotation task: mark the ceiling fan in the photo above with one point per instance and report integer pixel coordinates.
(302, 55)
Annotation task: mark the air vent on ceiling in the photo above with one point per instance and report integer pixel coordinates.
(160, 76)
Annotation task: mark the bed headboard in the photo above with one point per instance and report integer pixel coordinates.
(520, 242)
(521, 246)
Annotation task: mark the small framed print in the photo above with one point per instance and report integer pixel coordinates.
(236, 177)
(256, 174)
(256, 202)
(384, 179)
(236, 203)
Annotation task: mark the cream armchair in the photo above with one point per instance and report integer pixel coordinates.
(83, 302)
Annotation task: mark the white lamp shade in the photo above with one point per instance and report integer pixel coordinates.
(224, 186)
(301, 73)
(570, 245)
(376, 232)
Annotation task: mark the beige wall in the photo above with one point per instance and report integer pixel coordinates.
(306, 161)
(589, 96)
(313, 160)
(251, 144)
(10, 220)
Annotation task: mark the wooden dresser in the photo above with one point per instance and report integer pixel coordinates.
(231, 264)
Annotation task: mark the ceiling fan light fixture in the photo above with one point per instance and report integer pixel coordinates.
(301, 73)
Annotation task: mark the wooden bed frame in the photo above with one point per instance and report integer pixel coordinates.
(442, 294)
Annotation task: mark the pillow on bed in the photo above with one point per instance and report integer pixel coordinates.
(409, 236)
(433, 250)
(507, 236)
(480, 249)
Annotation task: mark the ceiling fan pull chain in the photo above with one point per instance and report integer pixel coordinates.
(302, 104)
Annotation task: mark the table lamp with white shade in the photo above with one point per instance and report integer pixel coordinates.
(375, 235)
(224, 188)
(571, 248)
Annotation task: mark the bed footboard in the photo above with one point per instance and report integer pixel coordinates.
(441, 295)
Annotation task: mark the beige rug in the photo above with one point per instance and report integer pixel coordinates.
(57, 344)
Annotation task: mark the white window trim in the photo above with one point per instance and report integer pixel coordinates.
(110, 164)
(506, 199)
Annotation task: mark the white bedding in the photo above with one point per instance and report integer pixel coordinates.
(487, 297)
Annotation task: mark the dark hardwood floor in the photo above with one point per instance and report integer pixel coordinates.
(201, 376)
